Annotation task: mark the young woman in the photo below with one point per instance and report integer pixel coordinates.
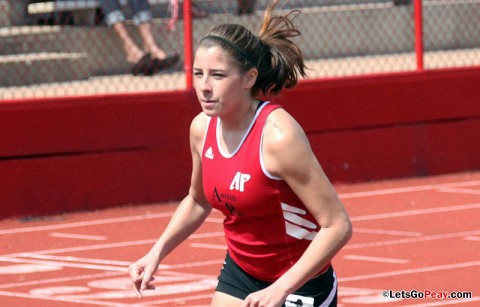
(252, 161)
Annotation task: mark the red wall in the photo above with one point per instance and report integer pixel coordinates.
(95, 152)
(391, 126)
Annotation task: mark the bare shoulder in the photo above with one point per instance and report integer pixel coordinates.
(198, 126)
(285, 145)
(282, 130)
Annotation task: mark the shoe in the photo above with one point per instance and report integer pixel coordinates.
(145, 66)
(167, 62)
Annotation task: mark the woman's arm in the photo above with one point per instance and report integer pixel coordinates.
(190, 214)
(288, 155)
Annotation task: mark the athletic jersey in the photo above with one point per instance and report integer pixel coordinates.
(267, 227)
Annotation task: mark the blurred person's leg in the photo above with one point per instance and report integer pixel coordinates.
(142, 17)
(114, 17)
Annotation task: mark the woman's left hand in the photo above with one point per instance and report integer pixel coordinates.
(268, 297)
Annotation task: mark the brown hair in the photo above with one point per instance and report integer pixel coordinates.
(279, 61)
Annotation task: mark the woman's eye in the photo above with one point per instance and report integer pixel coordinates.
(197, 74)
(218, 75)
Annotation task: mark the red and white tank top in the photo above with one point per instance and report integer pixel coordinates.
(267, 227)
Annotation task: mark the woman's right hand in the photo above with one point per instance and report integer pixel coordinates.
(141, 273)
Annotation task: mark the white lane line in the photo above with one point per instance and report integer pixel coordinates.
(411, 271)
(61, 279)
(388, 232)
(74, 259)
(472, 238)
(55, 299)
(409, 189)
(194, 264)
(168, 302)
(209, 246)
(90, 247)
(114, 245)
(459, 191)
(66, 264)
(414, 240)
(414, 212)
(376, 259)
(215, 220)
(113, 267)
(87, 223)
(77, 236)
(207, 235)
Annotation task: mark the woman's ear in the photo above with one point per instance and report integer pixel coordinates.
(250, 78)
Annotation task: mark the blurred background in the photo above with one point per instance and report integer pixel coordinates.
(65, 48)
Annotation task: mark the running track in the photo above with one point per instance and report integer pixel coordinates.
(416, 234)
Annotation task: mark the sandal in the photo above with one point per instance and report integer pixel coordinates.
(144, 66)
(167, 62)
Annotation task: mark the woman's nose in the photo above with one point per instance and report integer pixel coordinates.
(205, 84)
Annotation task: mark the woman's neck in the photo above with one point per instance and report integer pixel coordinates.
(240, 120)
(232, 130)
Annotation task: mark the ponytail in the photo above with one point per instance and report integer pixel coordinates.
(286, 58)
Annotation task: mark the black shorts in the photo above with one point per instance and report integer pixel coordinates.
(236, 282)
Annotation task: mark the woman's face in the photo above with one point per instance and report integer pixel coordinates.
(220, 86)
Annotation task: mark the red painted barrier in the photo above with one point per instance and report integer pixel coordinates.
(101, 151)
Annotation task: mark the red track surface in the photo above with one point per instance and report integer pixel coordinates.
(419, 234)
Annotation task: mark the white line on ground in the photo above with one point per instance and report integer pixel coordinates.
(167, 302)
(214, 220)
(114, 245)
(87, 223)
(441, 236)
(193, 264)
(112, 267)
(376, 259)
(207, 235)
(209, 246)
(61, 280)
(415, 212)
(388, 232)
(46, 298)
(74, 259)
(411, 271)
(459, 191)
(90, 247)
(472, 238)
(409, 189)
(77, 236)
(66, 264)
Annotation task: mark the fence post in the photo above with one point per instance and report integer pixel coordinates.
(188, 43)
(419, 33)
